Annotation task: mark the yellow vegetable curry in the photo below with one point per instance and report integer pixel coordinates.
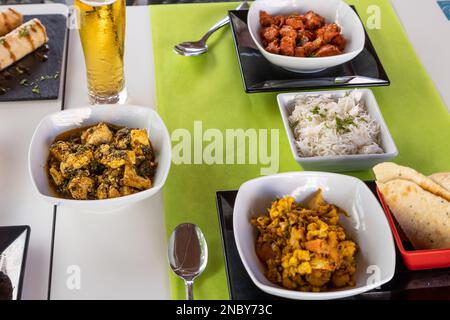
(303, 247)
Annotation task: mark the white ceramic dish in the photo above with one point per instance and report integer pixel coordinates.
(347, 162)
(366, 224)
(332, 10)
(130, 116)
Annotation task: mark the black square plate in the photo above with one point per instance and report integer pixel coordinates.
(423, 284)
(259, 75)
(13, 253)
(32, 67)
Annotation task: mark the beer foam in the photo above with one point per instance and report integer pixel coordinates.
(98, 3)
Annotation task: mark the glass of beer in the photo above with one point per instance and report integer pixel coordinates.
(101, 25)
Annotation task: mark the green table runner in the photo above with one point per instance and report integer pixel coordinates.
(206, 92)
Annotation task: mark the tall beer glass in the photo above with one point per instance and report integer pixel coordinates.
(102, 31)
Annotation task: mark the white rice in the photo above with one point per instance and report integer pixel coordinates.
(327, 126)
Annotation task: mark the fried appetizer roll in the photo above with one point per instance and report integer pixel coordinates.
(21, 41)
(9, 20)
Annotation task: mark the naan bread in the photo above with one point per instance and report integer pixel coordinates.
(423, 216)
(387, 171)
(443, 178)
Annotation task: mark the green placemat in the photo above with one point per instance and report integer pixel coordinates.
(209, 89)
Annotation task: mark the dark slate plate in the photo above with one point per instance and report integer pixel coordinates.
(11, 77)
(423, 284)
(259, 75)
(13, 253)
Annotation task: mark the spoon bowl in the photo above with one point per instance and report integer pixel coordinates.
(190, 48)
(188, 254)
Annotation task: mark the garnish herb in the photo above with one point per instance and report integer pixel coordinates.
(50, 77)
(36, 90)
(24, 32)
(35, 84)
(19, 70)
(315, 110)
(343, 124)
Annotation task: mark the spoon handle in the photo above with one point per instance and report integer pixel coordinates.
(189, 290)
(219, 24)
(215, 27)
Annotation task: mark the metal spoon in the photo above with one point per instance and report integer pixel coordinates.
(188, 254)
(195, 48)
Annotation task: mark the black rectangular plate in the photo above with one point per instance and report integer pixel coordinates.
(259, 75)
(55, 25)
(423, 284)
(13, 250)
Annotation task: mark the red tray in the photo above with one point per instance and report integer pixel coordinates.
(415, 259)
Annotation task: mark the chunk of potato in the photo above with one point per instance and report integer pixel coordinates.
(80, 186)
(139, 137)
(60, 150)
(113, 158)
(56, 175)
(125, 190)
(139, 141)
(97, 135)
(75, 161)
(131, 179)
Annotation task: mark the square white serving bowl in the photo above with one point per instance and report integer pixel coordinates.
(124, 115)
(366, 225)
(336, 11)
(345, 162)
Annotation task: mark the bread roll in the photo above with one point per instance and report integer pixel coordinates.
(21, 41)
(9, 20)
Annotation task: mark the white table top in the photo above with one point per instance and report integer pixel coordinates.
(19, 203)
(122, 254)
(430, 38)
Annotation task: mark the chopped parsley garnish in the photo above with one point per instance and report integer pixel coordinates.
(50, 77)
(315, 110)
(24, 32)
(2, 41)
(20, 70)
(36, 90)
(35, 83)
(343, 124)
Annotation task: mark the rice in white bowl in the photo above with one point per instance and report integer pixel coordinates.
(324, 125)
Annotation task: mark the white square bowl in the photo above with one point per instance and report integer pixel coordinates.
(345, 162)
(366, 225)
(123, 115)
